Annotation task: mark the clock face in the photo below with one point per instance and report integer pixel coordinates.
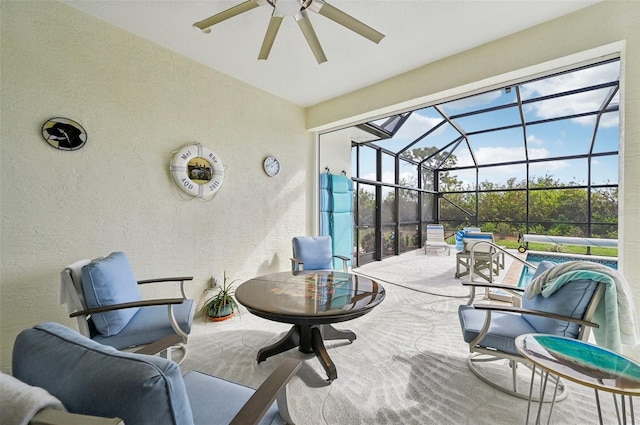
(271, 166)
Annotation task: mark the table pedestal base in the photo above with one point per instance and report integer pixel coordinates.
(309, 339)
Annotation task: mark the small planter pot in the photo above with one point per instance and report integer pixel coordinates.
(221, 305)
(220, 319)
(217, 316)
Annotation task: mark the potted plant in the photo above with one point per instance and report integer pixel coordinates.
(222, 305)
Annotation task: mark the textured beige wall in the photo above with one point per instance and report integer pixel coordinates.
(335, 153)
(138, 103)
(607, 27)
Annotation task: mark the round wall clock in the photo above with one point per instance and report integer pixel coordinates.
(271, 166)
(64, 134)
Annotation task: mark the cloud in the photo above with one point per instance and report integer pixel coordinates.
(369, 176)
(388, 176)
(472, 101)
(492, 155)
(532, 140)
(416, 126)
(548, 167)
(489, 155)
(581, 102)
(410, 179)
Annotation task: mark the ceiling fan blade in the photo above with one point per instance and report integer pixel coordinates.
(270, 36)
(205, 24)
(346, 20)
(310, 35)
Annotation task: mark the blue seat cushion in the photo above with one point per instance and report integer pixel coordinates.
(150, 324)
(315, 252)
(108, 281)
(342, 242)
(202, 390)
(504, 328)
(93, 379)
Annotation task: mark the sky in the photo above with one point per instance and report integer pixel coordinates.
(548, 140)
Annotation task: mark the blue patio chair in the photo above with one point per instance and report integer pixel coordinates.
(99, 381)
(103, 296)
(491, 329)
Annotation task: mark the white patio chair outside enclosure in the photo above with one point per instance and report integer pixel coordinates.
(435, 239)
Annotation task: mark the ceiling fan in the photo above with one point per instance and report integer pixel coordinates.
(298, 10)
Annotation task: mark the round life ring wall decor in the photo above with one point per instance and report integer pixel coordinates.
(198, 171)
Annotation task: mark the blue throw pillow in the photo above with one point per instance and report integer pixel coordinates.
(316, 252)
(109, 281)
(543, 266)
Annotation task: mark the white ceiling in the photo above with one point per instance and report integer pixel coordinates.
(417, 32)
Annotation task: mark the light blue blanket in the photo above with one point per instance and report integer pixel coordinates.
(615, 313)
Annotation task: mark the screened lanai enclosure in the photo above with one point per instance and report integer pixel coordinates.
(536, 157)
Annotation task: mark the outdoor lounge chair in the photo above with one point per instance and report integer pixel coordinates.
(103, 295)
(491, 329)
(435, 239)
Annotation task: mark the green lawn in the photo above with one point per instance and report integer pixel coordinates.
(569, 249)
(512, 243)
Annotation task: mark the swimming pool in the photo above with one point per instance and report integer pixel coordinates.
(535, 258)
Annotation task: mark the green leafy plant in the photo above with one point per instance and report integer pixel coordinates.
(222, 303)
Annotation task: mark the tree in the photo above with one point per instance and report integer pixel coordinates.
(366, 207)
(433, 159)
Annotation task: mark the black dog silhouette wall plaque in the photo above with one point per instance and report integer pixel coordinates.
(64, 134)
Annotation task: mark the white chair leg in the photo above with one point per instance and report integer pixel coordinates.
(168, 353)
(475, 359)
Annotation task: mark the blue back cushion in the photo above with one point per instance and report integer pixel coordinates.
(315, 252)
(479, 236)
(572, 300)
(543, 266)
(109, 281)
(436, 230)
(471, 238)
(94, 379)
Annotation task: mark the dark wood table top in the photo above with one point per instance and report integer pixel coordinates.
(310, 297)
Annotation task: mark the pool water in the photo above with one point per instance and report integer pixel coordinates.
(536, 258)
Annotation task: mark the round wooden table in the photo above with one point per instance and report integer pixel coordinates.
(311, 301)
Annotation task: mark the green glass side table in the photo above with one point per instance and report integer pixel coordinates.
(585, 364)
